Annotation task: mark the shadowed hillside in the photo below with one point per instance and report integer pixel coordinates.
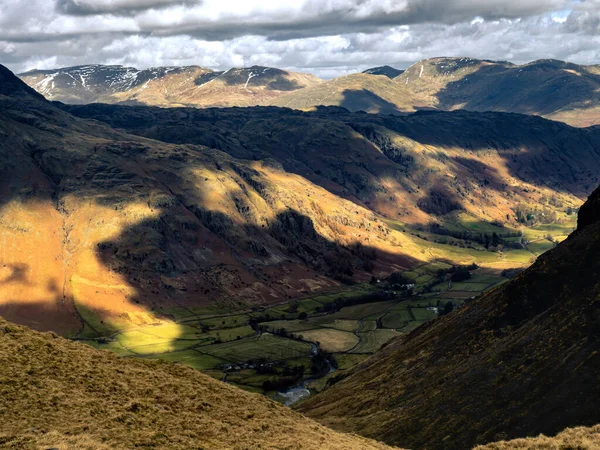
(517, 362)
(489, 162)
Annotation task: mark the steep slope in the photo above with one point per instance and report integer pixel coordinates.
(388, 71)
(166, 86)
(64, 395)
(103, 229)
(519, 361)
(554, 89)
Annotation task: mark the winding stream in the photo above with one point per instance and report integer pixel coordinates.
(297, 393)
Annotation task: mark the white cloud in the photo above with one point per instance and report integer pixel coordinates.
(326, 37)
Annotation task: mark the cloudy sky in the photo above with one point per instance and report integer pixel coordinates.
(325, 37)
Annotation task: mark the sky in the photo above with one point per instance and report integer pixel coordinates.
(326, 37)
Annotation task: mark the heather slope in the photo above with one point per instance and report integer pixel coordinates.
(60, 394)
(517, 362)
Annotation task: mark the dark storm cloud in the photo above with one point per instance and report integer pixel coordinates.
(116, 7)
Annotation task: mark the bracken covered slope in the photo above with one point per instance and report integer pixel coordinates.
(64, 395)
(520, 361)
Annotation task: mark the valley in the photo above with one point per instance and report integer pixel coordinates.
(268, 350)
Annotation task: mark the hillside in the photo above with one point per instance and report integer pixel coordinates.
(419, 169)
(516, 362)
(103, 230)
(356, 92)
(554, 89)
(166, 86)
(65, 395)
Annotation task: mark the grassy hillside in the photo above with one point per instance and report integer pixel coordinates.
(64, 395)
(158, 213)
(580, 438)
(517, 362)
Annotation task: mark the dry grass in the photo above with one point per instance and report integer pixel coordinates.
(580, 438)
(59, 394)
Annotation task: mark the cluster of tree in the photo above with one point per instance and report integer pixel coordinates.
(444, 309)
(533, 216)
(493, 242)
(351, 301)
(321, 361)
(280, 383)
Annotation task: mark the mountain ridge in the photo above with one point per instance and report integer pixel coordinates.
(165, 86)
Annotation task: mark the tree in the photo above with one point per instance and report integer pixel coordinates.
(448, 308)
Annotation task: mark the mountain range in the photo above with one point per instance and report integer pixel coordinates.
(166, 86)
(553, 89)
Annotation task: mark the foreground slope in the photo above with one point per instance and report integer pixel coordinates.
(59, 394)
(166, 86)
(520, 361)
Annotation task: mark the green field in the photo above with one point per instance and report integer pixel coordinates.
(372, 341)
(193, 358)
(397, 317)
(267, 346)
(541, 246)
(331, 340)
